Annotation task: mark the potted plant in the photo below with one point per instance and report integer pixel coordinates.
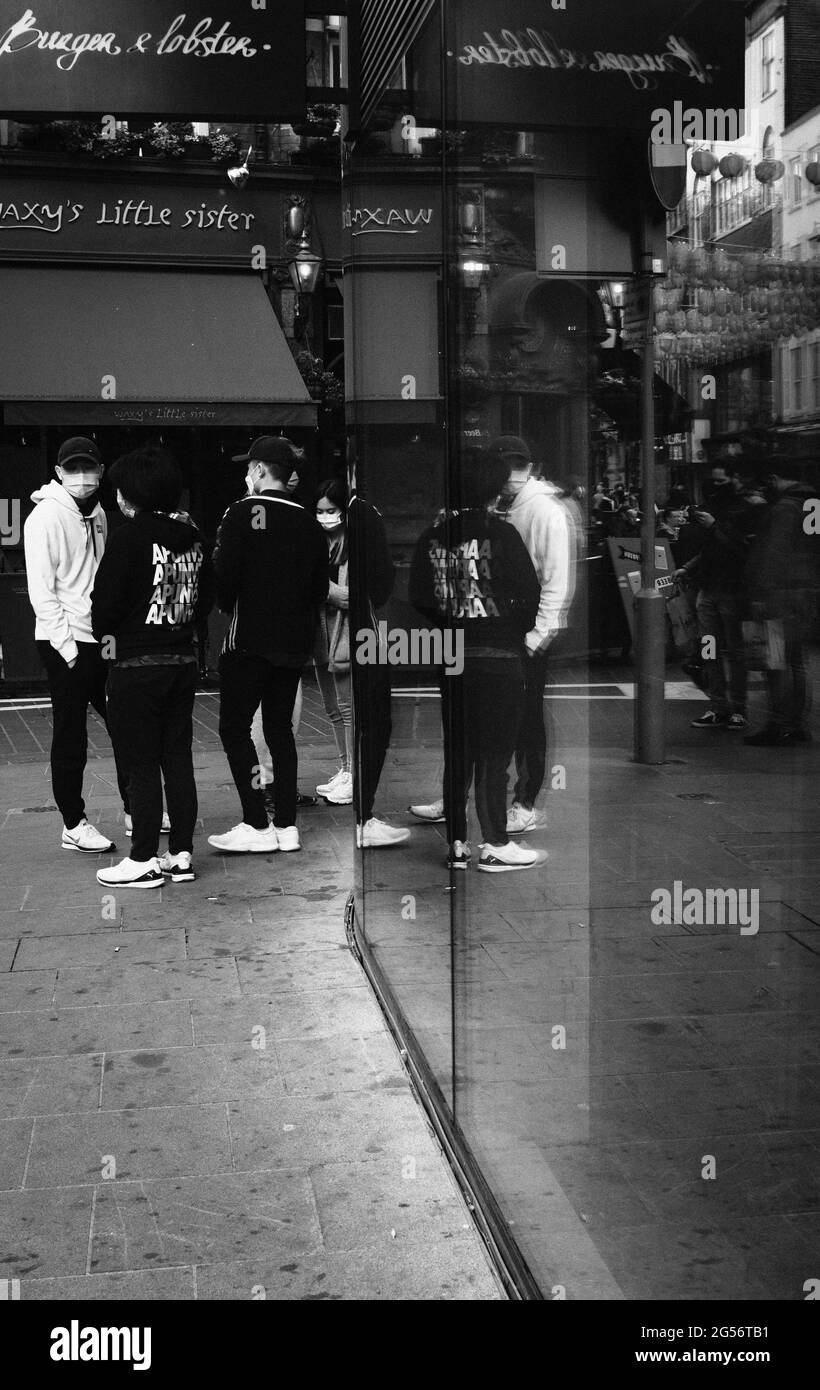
(322, 385)
(224, 146)
(321, 122)
(167, 138)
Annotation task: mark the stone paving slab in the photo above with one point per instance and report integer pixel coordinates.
(70, 1150)
(113, 1029)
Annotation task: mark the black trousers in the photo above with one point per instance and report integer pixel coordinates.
(150, 712)
(72, 691)
(531, 747)
(247, 681)
(481, 714)
(372, 729)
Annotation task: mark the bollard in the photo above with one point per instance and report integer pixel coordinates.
(650, 648)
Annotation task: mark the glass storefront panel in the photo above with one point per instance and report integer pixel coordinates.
(625, 1032)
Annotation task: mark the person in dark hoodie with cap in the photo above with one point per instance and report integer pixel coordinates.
(65, 537)
(272, 573)
(472, 573)
(153, 586)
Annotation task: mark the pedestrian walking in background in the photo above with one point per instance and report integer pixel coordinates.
(64, 539)
(153, 586)
(332, 651)
(782, 575)
(718, 568)
(272, 574)
(534, 507)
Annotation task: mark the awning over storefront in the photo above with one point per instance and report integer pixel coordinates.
(392, 363)
(124, 347)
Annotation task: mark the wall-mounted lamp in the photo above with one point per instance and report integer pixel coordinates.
(240, 173)
(305, 267)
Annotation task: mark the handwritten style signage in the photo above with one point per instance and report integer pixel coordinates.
(529, 63)
(51, 218)
(394, 220)
(153, 57)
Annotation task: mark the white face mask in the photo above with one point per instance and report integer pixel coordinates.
(81, 485)
(329, 520)
(249, 483)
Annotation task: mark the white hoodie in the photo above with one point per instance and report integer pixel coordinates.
(63, 550)
(541, 519)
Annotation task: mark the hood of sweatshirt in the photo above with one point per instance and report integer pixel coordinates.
(175, 530)
(55, 492)
(533, 488)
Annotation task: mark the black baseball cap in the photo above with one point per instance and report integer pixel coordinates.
(269, 448)
(72, 450)
(511, 446)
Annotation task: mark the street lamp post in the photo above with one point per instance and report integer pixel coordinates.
(650, 605)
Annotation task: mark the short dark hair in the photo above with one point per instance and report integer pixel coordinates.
(335, 490)
(483, 478)
(148, 478)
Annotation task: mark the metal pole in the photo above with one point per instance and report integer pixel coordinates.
(650, 605)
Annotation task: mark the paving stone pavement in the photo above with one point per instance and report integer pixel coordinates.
(199, 1096)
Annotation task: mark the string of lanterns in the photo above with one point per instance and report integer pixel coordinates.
(716, 306)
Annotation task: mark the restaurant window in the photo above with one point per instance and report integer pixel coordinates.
(797, 181)
(768, 62)
(796, 366)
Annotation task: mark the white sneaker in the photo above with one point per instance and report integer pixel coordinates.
(288, 839)
(434, 813)
(130, 873)
(86, 839)
(325, 787)
(377, 834)
(521, 820)
(245, 839)
(179, 867)
(129, 824)
(460, 855)
(342, 793)
(500, 859)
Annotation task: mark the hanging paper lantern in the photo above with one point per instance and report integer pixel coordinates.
(812, 172)
(678, 252)
(769, 170)
(721, 301)
(721, 262)
(665, 341)
(659, 297)
(662, 319)
(692, 320)
(706, 322)
(679, 321)
(703, 162)
(706, 301)
(731, 165)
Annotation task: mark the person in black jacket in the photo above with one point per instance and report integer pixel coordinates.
(472, 572)
(728, 520)
(272, 573)
(153, 585)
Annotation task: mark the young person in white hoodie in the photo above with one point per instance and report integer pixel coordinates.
(536, 510)
(64, 540)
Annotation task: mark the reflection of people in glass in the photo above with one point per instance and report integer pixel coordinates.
(727, 520)
(331, 654)
(372, 576)
(534, 507)
(782, 577)
(472, 573)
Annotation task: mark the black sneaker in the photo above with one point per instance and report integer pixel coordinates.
(710, 720)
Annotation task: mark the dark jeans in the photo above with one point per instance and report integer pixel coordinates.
(789, 691)
(372, 728)
(247, 681)
(720, 615)
(531, 747)
(72, 691)
(481, 714)
(150, 712)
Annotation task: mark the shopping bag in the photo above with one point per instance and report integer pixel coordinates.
(682, 620)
